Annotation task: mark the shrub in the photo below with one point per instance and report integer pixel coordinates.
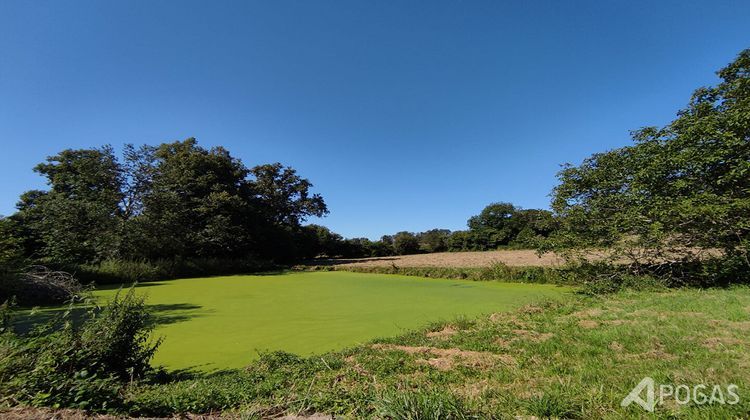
(128, 272)
(87, 366)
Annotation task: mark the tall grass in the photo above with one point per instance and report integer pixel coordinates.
(127, 272)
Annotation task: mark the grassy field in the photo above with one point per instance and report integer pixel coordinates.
(465, 259)
(574, 358)
(221, 322)
(517, 351)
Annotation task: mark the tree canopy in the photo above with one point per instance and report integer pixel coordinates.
(174, 200)
(677, 191)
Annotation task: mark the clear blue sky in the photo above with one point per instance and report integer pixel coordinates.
(406, 115)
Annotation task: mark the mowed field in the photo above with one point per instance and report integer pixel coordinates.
(512, 258)
(222, 322)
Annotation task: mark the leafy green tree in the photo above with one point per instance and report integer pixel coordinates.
(533, 227)
(11, 246)
(460, 240)
(382, 247)
(197, 202)
(405, 243)
(494, 226)
(286, 195)
(321, 241)
(677, 191)
(435, 240)
(75, 221)
(175, 201)
(356, 248)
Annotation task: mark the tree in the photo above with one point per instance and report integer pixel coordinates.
(75, 221)
(533, 226)
(11, 245)
(194, 202)
(678, 190)
(382, 247)
(286, 195)
(173, 201)
(435, 240)
(460, 240)
(321, 241)
(405, 243)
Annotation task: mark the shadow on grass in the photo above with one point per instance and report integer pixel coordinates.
(161, 314)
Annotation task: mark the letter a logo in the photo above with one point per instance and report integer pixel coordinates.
(635, 395)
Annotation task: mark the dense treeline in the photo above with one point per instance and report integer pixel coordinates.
(499, 225)
(178, 209)
(175, 201)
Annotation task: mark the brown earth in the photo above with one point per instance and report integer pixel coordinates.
(512, 258)
(447, 359)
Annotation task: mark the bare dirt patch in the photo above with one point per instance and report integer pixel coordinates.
(533, 336)
(617, 322)
(443, 334)
(506, 318)
(657, 352)
(588, 313)
(447, 359)
(615, 346)
(588, 324)
(719, 343)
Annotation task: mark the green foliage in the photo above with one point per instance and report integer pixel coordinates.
(436, 405)
(11, 246)
(552, 405)
(405, 243)
(273, 374)
(383, 247)
(435, 240)
(196, 204)
(128, 272)
(76, 219)
(285, 195)
(678, 191)
(503, 225)
(172, 202)
(88, 366)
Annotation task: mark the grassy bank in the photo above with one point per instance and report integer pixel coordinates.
(572, 359)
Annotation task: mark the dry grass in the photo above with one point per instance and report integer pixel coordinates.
(511, 258)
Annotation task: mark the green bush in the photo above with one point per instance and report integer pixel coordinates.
(127, 272)
(84, 366)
